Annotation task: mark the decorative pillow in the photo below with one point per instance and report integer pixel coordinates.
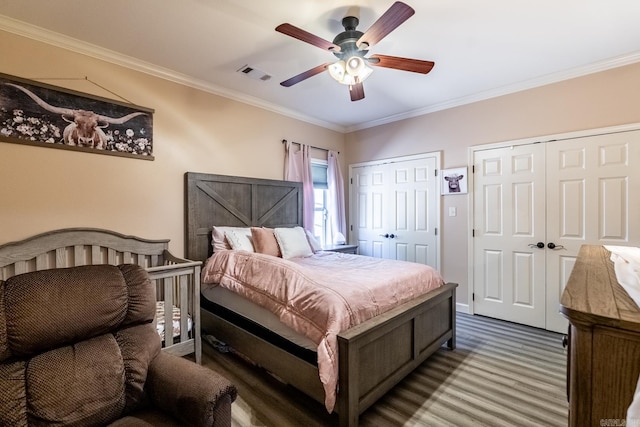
(239, 240)
(313, 242)
(219, 240)
(293, 242)
(264, 241)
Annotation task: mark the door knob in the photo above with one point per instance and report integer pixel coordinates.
(552, 245)
(537, 245)
(386, 235)
(391, 236)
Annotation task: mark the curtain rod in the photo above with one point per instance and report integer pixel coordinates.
(299, 143)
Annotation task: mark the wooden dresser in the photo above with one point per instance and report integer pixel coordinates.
(603, 363)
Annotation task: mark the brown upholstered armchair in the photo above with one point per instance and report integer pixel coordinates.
(78, 348)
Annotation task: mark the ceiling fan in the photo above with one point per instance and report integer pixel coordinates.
(351, 47)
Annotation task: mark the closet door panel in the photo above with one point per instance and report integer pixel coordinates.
(395, 206)
(369, 183)
(593, 198)
(509, 209)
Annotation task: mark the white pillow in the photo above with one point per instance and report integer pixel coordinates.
(219, 239)
(293, 242)
(239, 240)
(313, 242)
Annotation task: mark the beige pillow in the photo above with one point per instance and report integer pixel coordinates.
(264, 241)
(219, 240)
(239, 240)
(293, 242)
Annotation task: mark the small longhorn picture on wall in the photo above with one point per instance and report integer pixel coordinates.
(454, 181)
(38, 114)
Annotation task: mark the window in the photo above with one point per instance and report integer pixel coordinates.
(320, 187)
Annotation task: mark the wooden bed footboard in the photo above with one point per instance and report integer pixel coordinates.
(373, 356)
(377, 354)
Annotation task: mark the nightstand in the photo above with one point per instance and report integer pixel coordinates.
(345, 249)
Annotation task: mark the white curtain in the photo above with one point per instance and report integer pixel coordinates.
(297, 167)
(337, 222)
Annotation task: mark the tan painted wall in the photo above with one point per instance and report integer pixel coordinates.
(599, 100)
(43, 189)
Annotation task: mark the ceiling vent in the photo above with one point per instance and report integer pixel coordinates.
(254, 73)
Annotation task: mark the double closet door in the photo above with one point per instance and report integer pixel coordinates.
(535, 205)
(394, 208)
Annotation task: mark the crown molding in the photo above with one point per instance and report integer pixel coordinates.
(596, 67)
(69, 43)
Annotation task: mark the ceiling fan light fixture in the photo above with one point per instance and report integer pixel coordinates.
(353, 71)
(355, 65)
(338, 70)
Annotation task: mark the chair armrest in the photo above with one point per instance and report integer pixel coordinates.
(187, 391)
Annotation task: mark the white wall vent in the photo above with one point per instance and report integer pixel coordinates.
(254, 73)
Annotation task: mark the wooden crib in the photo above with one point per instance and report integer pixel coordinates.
(177, 281)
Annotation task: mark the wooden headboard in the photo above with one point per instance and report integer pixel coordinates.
(236, 201)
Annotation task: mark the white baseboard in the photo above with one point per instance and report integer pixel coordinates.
(463, 308)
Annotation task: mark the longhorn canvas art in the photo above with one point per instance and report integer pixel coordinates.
(33, 113)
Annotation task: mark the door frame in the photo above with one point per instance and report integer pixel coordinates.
(438, 157)
(471, 184)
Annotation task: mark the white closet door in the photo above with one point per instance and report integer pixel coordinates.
(413, 211)
(509, 210)
(370, 186)
(563, 194)
(394, 210)
(593, 195)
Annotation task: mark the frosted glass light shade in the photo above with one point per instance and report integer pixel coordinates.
(353, 71)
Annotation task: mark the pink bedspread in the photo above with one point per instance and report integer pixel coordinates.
(321, 295)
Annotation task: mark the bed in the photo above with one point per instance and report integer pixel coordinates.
(177, 281)
(367, 369)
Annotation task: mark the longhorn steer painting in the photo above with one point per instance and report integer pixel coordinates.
(36, 114)
(454, 181)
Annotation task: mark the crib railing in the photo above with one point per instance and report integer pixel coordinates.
(177, 283)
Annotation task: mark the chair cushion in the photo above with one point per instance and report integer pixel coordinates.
(78, 345)
(82, 384)
(139, 345)
(13, 391)
(52, 308)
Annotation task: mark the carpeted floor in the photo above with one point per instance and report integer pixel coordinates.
(501, 374)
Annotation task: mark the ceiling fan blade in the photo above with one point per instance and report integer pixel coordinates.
(300, 34)
(398, 63)
(356, 91)
(303, 76)
(389, 21)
